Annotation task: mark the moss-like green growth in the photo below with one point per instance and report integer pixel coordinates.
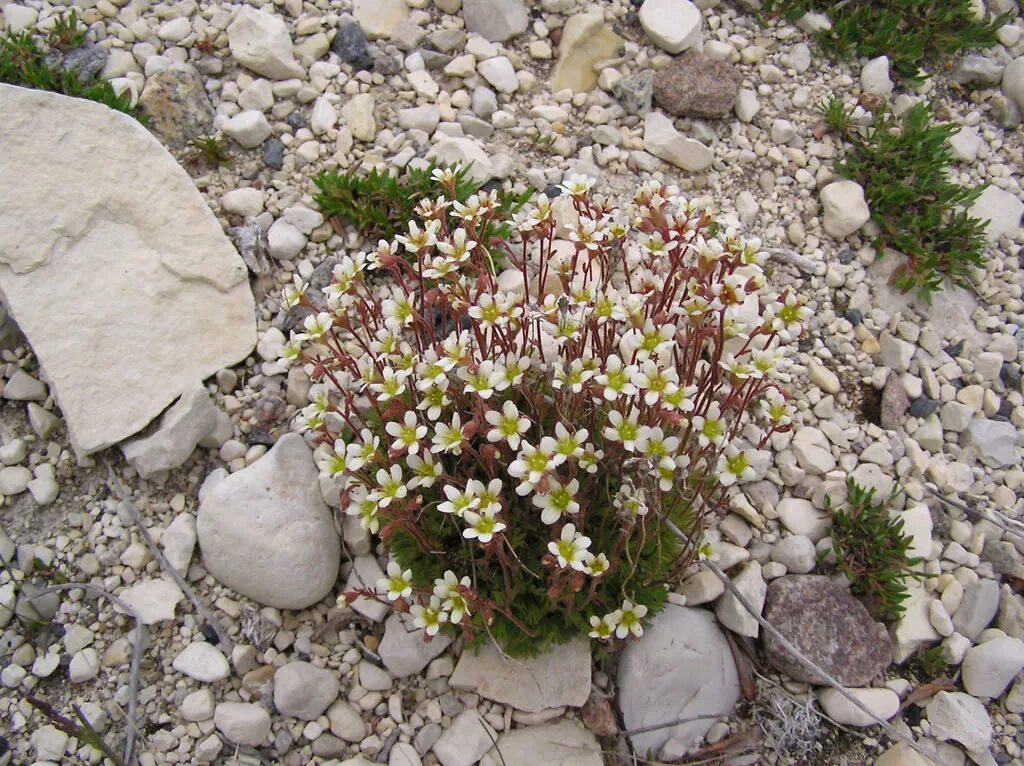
(24, 62)
(872, 550)
(912, 33)
(903, 165)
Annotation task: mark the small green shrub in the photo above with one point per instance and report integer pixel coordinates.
(523, 475)
(25, 63)
(903, 165)
(212, 151)
(871, 550)
(910, 32)
(380, 204)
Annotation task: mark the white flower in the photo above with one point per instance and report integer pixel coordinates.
(459, 248)
(361, 453)
(416, 239)
(624, 429)
(425, 471)
(787, 317)
(569, 444)
(508, 425)
(448, 590)
(577, 185)
(653, 340)
(397, 584)
(483, 380)
(334, 463)
(446, 176)
(365, 507)
(775, 409)
(603, 627)
(597, 565)
(559, 499)
(459, 501)
(617, 378)
(429, 618)
(710, 427)
(448, 438)
(655, 444)
(316, 326)
(406, 434)
(398, 310)
(530, 465)
(655, 381)
(590, 458)
(572, 377)
(391, 384)
(628, 619)
(434, 399)
(571, 549)
(294, 293)
(482, 526)
(488, 494)
(389, 486)
(734, 466)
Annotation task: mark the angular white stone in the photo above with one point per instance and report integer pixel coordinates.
(249, 129)
(731, 613)
(874, 77)
(563, 743)
(959, 717)
(403, 648)
(358, 115)
(304, 691)
(266, 533)
(500, 73)
(378, 18)
(172, 439)
(247, 201)
(466, 741)
(203, 662)
(990, 667)
(666, 143)
(496, 20)
(672, 25)
(560, 676)
(845, 208)
(681, 668)
(324, 117)
(1001, 209)
(450, 151)
(154, 600)
(150, 290)
(884, 703)
(244, 723)
(260, 41)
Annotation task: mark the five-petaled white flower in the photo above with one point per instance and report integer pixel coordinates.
(735, 465)
(482, 526)
(617, 379)
(624, 429)
(430, 618)
(459, 500)
(407, 434)
(448, 438)
(628, 619)
(507, 425)
(603, 628)
(710, 427)
(570, 549)
(398, 583)
(559, 499)
(390, 486)
(531, 464)
(449, 590)
(424, 470)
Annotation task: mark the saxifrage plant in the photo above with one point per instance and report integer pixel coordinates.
(25, 63)
(521, 439)
(903, 162)
(380, 204)
(912, 33)
(873, 552)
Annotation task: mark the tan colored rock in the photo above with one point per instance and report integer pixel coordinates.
(586, 39)
(112, 265)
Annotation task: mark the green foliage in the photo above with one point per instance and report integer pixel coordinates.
(380, 205)
(66, 34)
(903, 165)
(929, 663)
(548, 618)
(871, 550)
(212, 151)
(24, 62)
(910, 32)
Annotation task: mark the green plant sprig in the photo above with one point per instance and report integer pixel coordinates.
(910, 32)
(380, 204)
(23, 62)
(872, 550)
(902, 163)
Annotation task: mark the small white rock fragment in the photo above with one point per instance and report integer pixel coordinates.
(203, 662)
(845, 208)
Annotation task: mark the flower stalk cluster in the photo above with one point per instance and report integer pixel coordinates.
(519, 433)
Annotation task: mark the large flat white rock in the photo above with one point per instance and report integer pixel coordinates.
(112, 265)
